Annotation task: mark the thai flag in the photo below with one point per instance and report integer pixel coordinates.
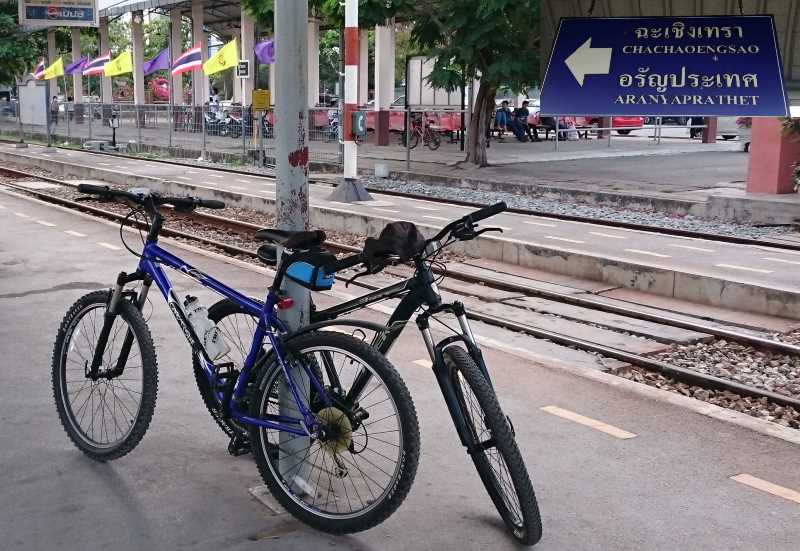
(38, 72)
(189, 60)
(97, 66)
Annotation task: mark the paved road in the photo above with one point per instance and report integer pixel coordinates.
(730, 262)
(669, 487)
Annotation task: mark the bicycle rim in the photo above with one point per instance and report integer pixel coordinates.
(102, 412)
(344, 478)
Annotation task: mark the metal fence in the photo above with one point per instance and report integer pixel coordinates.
(225, 134)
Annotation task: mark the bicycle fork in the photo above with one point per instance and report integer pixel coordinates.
(108, 322)
(444, 376)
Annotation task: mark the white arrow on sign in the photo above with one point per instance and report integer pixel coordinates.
(589, 61)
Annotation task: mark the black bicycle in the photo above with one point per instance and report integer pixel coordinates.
(457, 362)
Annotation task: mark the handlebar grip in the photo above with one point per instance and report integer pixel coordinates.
(489, 211)
(210, 204)
(344, 263)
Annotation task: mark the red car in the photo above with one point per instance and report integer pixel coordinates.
(625, 123)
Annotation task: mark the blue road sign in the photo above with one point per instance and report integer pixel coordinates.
(701, 66)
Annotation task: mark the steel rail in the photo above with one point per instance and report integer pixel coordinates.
(681, 374)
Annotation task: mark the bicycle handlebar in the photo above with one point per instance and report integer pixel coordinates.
(177, 202)
(470, 219)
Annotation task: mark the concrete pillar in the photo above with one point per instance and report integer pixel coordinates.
(710, 131)
(77, 78)
(236, 82)
(177, 49)
(137, 36)
(384, 79)
(363, 67)
(52, 54)
(273, 92)
(248, 43)
(200, 85)
(313, 62)
(772, 158)
(105, 46)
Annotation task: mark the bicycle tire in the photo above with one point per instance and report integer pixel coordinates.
(132, 317)
(434, 141)
(525, 524)
(239, 344)
(414, 140)
(267, 454)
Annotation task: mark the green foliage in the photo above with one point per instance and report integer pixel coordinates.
(370, 12)
(496, 39)
(19, 52)
(329, 60)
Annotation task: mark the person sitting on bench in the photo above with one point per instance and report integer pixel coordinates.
(519, 124)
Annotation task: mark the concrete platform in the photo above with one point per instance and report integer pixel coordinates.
(742, 277)
(668, 487)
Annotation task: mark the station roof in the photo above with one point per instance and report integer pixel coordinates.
(220, 16)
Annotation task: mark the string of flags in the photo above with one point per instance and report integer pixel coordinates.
(224, 58)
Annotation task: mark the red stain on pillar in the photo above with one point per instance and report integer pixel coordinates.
(299, 157)
(772, 158)
(351, 46)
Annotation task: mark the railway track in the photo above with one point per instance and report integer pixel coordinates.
(677, 232)
(688, 376)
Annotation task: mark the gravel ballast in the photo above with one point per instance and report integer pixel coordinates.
(566, 206)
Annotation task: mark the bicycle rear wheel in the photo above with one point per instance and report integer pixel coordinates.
(359, 470)
(105, 417)
(496, 455)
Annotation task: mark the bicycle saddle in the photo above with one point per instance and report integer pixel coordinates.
(292, 239)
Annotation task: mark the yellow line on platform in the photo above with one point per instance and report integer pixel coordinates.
(588, 422)
(766, 486)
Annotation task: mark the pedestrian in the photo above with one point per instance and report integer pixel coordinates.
(519, 124)
(503, 119)
(54, 110)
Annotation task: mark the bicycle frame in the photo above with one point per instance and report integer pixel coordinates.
(269, 327)
(415, 292)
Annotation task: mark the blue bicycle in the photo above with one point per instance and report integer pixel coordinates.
(337, 449)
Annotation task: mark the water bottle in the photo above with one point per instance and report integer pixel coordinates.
(205, 329)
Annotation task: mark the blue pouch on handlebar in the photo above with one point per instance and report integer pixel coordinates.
(310, 276)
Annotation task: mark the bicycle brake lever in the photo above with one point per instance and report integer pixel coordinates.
(484, 230)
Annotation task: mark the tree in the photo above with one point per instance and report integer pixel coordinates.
(495, 41)
(19, 51)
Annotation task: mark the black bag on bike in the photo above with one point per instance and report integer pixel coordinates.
(397, 238)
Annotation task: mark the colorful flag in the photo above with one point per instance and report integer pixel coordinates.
(226, 58)
(159, 63)
(76, 66)
(97, 65)
(265, 52)
(55, 70)
(120, 65)
(190, 60)
(38, 72)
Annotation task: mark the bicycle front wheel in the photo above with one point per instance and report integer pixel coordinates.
(105, 416)
(496, 455)
(358, 468)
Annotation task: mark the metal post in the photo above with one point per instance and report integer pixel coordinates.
(203, 125)
(463, 104)
(244, 127)
(260, 138)
(92, 107)
(610, 131)
(291, 170)
(556, 118)
(408, 122)
(139, 121)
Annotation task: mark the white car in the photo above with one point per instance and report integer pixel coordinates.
(728, 128)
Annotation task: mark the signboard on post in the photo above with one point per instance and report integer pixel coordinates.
(260, 99)
(243, 69)
(677, 66)
(57, 13)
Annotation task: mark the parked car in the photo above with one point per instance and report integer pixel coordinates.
(626, 123)
(731, 127)
(679, 121)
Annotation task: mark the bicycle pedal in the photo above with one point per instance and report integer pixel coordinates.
(239, 445)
